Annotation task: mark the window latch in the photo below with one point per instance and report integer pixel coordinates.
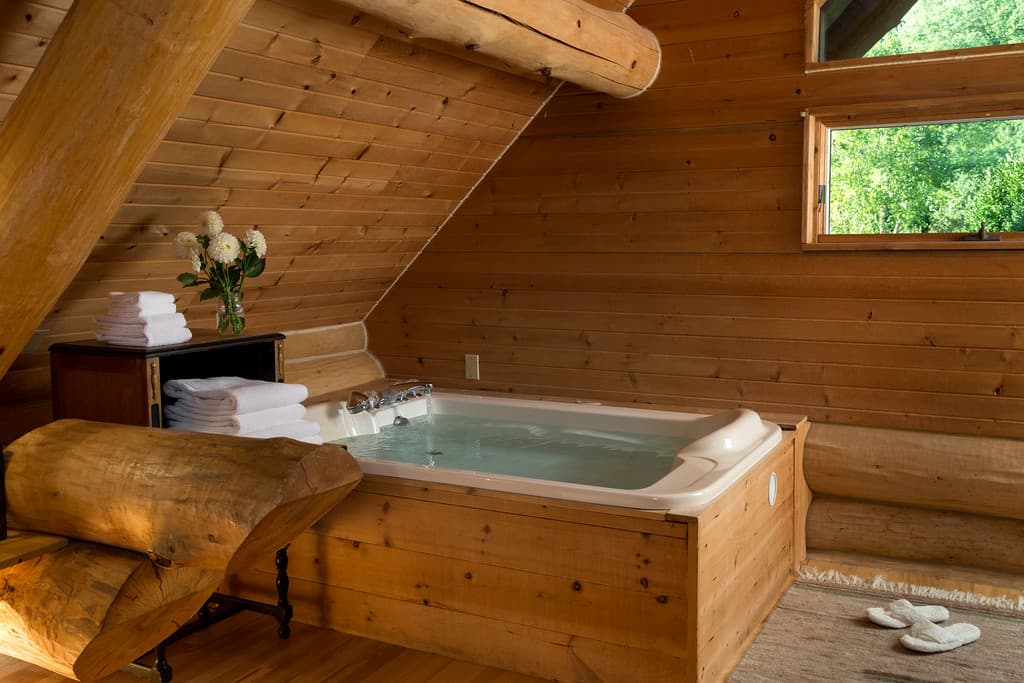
(822, 190)
(981, 236)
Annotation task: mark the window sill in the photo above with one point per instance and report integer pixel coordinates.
(946, 241)
(961, 55)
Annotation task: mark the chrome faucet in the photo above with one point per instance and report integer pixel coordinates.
(404, 391)
(358, 401)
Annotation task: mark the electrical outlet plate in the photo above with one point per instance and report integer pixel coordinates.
(472, 366)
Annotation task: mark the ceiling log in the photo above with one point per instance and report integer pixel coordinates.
(570, 40)
(113, 79)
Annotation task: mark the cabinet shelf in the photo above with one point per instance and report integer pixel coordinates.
(93, 380)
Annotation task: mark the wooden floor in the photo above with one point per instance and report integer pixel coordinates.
(246, 648)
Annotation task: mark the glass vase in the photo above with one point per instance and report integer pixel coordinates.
(230, 314)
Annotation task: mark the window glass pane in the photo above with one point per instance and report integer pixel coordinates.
(945, 177)
(875, 28)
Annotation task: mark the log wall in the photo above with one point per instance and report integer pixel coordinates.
(649, 250)
(921, 497)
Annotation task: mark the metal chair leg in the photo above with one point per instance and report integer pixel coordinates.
(285, 615)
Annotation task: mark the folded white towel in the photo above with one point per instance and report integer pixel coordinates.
(142, 321)
(235, 395)
(155, 325)
(237, 424)
(139, 298)
(130, 310)
(301, 429)
(147, 339)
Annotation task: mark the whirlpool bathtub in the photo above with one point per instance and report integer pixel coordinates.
(586, 452)
(656, 561)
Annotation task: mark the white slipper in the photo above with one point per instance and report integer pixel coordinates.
(901, 614)
(924, 636)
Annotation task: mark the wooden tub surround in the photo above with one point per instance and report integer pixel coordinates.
(560, 590)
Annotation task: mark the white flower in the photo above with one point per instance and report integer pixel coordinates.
(213, 223)
(256, 241)
(197, 264)
(224, 248)
(186, 244)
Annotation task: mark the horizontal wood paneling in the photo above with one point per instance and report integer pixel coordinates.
(649, 250)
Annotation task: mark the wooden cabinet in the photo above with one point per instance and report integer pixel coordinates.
(93, 380)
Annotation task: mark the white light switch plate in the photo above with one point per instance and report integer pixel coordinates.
(472, 366)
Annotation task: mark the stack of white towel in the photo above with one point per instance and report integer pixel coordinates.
(243, 407)
(141, 319)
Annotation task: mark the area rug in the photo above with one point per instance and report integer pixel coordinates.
(822, 634)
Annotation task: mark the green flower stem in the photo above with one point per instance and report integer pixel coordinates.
(233, 316)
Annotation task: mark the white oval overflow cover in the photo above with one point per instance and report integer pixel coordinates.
(773, 489)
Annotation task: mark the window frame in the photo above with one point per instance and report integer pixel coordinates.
(943, 108)
(820, 121)
(813, 39)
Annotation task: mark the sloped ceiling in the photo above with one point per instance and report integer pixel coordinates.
(344, 144)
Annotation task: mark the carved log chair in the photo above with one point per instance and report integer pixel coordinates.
(143, 526)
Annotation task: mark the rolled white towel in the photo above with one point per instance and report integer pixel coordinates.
(131, 310)
(149, 323)
(237, 424)
(301, 429)
(147, 339)
(235, 395)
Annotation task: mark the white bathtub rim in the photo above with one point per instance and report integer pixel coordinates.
(659, 496)
(700, 487)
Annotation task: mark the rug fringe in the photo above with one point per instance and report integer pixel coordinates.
(879, 584)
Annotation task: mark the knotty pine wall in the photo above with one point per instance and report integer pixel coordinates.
(649, 250)
(346, 144)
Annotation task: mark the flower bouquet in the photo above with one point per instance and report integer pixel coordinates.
(222, 262)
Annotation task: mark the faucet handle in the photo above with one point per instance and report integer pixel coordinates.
(359, 401)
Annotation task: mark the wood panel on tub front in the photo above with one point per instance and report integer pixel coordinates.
(570, 591)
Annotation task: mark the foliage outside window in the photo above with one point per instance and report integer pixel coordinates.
(854, 29)
(890, 174)
(906, 185)
(949, 177)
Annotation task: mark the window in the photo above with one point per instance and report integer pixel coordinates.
(856, 29)
(892, 183)
(928, 151)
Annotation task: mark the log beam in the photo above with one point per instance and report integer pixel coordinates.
(571, 40)
(971, 474)
(109, 85)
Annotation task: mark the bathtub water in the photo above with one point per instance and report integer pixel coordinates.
(627, 457)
